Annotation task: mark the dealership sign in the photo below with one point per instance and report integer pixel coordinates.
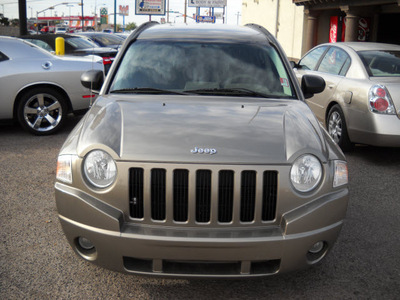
(150, 7)
(207, 3)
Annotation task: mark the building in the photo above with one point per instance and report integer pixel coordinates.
(299, 25)
(72, 22)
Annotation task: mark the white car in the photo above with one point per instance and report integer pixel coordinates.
(38, 88)
(61, 30)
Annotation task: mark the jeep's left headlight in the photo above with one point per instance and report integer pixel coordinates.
(100, 168)
(306, 173)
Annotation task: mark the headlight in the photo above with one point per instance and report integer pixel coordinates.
(64, 168)
(306, 173)
(100, 168)
(341, 176)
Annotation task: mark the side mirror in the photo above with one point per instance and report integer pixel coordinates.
(293, 64)
(312, 84)
(93, 79)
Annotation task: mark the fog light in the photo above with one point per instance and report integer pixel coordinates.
(317, 247)
(85, 243)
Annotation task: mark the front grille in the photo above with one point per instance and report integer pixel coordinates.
(205, 196)
(201, 268)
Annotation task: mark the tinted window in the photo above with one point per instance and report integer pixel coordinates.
(381, 63)
(41, 44)
(183, 66)
(80, 43)
(108, 39)
(310, 60)
(333, 61)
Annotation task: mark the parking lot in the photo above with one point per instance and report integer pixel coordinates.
(36, 261)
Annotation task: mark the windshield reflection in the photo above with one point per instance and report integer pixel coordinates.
(188, 66)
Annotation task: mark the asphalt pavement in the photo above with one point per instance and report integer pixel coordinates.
(36, 262)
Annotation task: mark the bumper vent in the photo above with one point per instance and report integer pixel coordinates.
(212, 193)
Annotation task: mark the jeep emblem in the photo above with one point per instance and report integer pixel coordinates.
(203, 150)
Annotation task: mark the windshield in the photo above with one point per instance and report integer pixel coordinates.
(381, 63)
(201, 67)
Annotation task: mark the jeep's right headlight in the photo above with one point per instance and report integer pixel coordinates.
(306, 173)
(100, 168)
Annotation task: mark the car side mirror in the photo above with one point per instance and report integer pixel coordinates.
(93, 80)
(312, 84)
(293, 64)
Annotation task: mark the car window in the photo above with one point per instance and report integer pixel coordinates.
(41, 44)
(3, 57)
(310, 60)
(381, 63)
(333, 62)
(108, 39)
(345, 67)
(187, 66)
(80, 43)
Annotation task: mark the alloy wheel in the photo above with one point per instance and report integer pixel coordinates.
(42, 112)
(335, 126)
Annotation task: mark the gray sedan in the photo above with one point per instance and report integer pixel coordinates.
(38, 89)
(361, 102)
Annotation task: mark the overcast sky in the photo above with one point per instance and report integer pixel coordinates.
(10, 9)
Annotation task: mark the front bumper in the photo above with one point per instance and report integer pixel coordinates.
(200, 252)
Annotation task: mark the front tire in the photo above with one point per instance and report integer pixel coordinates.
(42, 111)
(337, 128)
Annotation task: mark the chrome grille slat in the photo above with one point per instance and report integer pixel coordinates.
(213, 196)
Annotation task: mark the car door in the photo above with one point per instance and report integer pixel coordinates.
(6, 99)
(331, 65)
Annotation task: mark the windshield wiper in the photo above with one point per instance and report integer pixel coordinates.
(228, 92)
(146, 90)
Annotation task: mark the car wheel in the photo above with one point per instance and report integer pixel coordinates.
(42, 111)
(337, 128)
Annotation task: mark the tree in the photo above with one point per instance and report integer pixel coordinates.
(15, 22)
(4, 21)
(130, 26)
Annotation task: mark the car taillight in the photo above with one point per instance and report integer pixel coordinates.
(380, 100)
(107, 60)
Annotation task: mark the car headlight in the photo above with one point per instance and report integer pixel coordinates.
(306, 173)
(100, 168)
(341, 176)
(64, 168)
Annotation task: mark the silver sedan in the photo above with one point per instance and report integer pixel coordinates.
(39, 89)
(361, 101)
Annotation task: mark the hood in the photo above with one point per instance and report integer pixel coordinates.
(203, 129)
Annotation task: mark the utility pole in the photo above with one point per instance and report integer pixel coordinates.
(185, 11)
(23, 30)
(115, 16)
(83, 18)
